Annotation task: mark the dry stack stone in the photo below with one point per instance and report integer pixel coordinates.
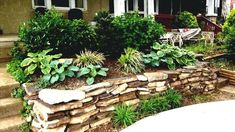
(95, 103)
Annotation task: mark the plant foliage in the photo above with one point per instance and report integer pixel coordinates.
(59, 71)
(173, 98)
(131, 61)
(124, 115)
(26, 111)
(229, 31)
(186, 20)
(172, 56)
(38, 61)
(53, 31)
(89, 58)
(25, 127)
(14, 68)
(18, 92)
(91, 72)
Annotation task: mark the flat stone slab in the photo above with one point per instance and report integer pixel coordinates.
(207, 117)
(229, 89)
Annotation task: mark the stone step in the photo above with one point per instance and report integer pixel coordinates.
(7, 83)
(10, 124)
(222, 82)
(5, 48)
(228, 89)
(10, 107)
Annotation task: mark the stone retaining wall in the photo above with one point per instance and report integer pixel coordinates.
(92, 105)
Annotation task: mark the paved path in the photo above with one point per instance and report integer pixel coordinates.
(207, 117)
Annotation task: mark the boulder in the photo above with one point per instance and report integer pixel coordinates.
(54, 96)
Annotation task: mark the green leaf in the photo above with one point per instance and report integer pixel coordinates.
(93, 72)
(62, 77)
(160, 54)
(47, 77)
(32, 68)
(26, 62)
(83, 71)
(46, 70)
(90, 80)
(104, 69)
(54, 78)
(73, 68)
(70, 73)
(60, 70)
(102, 73)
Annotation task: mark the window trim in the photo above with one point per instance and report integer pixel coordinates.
(49, 5)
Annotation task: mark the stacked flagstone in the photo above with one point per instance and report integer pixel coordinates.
(88, 107)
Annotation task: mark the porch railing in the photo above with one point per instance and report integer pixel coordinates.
(204, 23)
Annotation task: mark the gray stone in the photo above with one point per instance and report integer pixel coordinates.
(83, 110)
(95, 124)
(119, 89)
(107, 102)
(96, 92)
(157, 84)
(161, 89)
(95, 86)
(184, 76)
(142, 78)
(83, 117)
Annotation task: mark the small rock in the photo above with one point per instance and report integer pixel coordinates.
(137, 84)
(161, 89)
(82, 110)
(142, 78)
(184, 76)
(143, 89)
(83, 117)
(157, 84)
(108, 108)
(96, 92)
(128, 90)
(95, 124)
(107, 102)
(95, 86)
(132, 102)
(194, 79)
(119, 89)
(128, 96)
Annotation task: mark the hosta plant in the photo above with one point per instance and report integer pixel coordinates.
(131, 61)
(38, 62)
(91, 72)
(89, 58)
(59, 71)
(172, 56)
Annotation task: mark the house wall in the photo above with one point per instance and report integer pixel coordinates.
(15, 12)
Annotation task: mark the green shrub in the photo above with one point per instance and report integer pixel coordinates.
(173, 98)
(59, 71)
(91, 72)
(39, 61)
(25, 127)
(18, 92)
(229, 31)
(26, 111)
(14, 68)
(52, 31)
(172, 56)
(124, 115)
(18, 51)
(106, 35)
(186, 20)
(153, 105)
(89, 58)
(137, 32)
(131, 61)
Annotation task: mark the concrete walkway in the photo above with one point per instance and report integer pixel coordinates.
(207, 117)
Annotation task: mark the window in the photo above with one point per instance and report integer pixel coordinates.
(38, 3)
(60, 4)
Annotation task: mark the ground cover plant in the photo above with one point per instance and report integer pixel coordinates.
(223, 63)
(170, 56)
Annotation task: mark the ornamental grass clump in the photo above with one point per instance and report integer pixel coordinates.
(87, 57)
(131, 61)
(124, 115)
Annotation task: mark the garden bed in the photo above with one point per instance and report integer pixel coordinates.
(96, 102)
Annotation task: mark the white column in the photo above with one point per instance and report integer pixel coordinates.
(151, 7)
(119, 7)
(157, 7)
(48, 4)
(145, 7)
(135, 5)
(210, 8)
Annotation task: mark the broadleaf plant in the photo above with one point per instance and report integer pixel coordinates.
(38, 61)
(91, 72)
(172, 56)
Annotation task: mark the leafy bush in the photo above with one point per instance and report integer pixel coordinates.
(59, 71)
(131, 61)
(136, 31)
(14, 68)
(169, 55)
(129, 30)
(18, 92)
(229, 31)
(18, 51)
(91, 72)
(89, 58)
(52, 31)
(124, 115)
(186, 20)
(26, 111)
(38, 61)
(173, 98)
(25, 127)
